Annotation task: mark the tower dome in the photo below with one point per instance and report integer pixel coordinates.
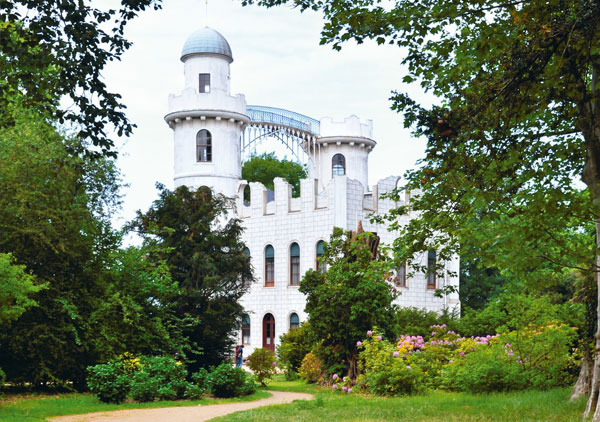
(206, 41)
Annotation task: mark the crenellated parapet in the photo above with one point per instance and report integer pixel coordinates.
(343, 196)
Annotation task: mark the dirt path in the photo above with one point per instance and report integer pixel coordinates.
(182, 414)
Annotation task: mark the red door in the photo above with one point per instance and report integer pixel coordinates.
(269, 332)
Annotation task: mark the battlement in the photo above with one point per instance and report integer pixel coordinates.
(351, 126)
(341, 195)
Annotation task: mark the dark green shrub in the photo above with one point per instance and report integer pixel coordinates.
(295, 344)
(263, 365)
(2, 378)
(159, 378)
(227, 381)
(109, 382)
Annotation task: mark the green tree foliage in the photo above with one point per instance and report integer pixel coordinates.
(16, 289)
(478, 284)
(349, 299)
(192, 233)
(294, 345)
(137, 312)
(265, 167)
(52, 49)
(54, 220)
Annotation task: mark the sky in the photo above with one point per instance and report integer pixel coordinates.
(278, 62)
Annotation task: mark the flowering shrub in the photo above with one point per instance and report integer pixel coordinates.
(263, 365)
(385, 371)
(158, 378)
(311, 368)
(533, 357)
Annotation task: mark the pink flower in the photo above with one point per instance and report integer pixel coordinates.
(345, 388)
(335, 376)
(274, 363)
(396, 354)
(247, 362)
(462, 353)
(358, 343)
(334, 386)
(349, 390)
(408, 367)
(379, 338)
(369, 333)
(451, 361)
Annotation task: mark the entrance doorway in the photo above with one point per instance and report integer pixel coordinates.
(269, 332)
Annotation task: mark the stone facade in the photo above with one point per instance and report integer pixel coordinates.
(327, 200)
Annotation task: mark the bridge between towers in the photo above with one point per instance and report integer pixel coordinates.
(296, 131)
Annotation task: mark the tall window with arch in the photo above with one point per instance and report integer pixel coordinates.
(204, 146)
(338, 165)
(320, 266)
(294, 264)
(431, 269)
(246, 329)
(269, 266)
(294, 321)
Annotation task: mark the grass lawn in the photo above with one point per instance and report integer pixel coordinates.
(37, 407)
(434, 407)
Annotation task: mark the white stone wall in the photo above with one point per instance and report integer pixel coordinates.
(301, 220)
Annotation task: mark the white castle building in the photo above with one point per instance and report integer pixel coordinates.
(214, 131)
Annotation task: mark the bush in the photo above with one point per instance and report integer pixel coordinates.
(485, 370)
(109, 381)
(386, 372)
(295, 344)
(415, 321)
(263, 365)
(311, 368)
(159, 378)
(227, 381)
(2, 378)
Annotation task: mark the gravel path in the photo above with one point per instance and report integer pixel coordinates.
(182, 414)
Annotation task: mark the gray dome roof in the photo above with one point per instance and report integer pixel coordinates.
(206, 41)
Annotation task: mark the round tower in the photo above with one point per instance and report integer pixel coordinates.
(343, 149)
(206, 119)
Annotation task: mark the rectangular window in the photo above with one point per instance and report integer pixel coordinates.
(204, 83)
(431, 269)
(401, 276)
(294, 270)
(269, 272)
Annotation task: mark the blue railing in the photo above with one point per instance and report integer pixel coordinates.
(279, 116)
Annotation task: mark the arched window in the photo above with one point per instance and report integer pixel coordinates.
(320, 266)
(338, 165)
(431, 269)
(204, 146)
(294, 264)
(246, 329)
(294, 321)
(269, 266)
(245, 282)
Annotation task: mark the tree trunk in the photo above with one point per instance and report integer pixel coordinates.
(584, 382)
(589, 123)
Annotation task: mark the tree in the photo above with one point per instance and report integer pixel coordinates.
(52, 49)
(16, 288)
(54, 220)
(352, 297)
(192, 233)
(265, 167)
